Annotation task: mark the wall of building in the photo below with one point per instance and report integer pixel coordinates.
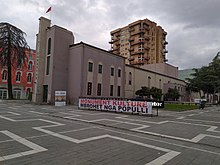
(80, 56)
(142, 77)
(162, 68)
(41, 42)
(22, 78)
(75, 73)
(57, 77)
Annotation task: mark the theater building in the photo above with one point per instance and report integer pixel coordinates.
(83, 70)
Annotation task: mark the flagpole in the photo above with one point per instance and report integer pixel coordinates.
(51, 16)
(49, 10)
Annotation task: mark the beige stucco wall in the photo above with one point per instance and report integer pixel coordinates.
(162, 68)
(140, 77)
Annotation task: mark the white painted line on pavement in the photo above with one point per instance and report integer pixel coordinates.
(181, 117)
(7, 118)
(13, 108)
(206, 121)
(71, 114)
(13, 113)
(144, 121)
(40, 113)
(201, 136)
(35, 148)
(198, 138)
(161, 141)
(213, 129)
(164, 158)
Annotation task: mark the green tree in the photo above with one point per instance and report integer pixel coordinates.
(207, 78)
(172, 94)
(12, 50)
(156, 93)
(144, 91)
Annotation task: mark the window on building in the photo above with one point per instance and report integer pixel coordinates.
(119, 91)
(90, 67)
(48, 65)
(100, 68)
(18, 77)
(119, 72)
(30, 65)
(49, 46)
(4, 75)
(28, 91)
(149, 79)
(89, 88)
(30, 56)
(28, 94)
(112, 71)
(17, 93)
(29, 77)
(3, 93)
(130, 78)
(160, 84)
(99, 89)
(19, 64)
(111, 90)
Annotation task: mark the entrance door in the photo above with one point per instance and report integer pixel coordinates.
(3, 93)
(45, 91)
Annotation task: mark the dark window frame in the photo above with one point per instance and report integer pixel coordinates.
(111, 90)
(119, 72)
(112, 71)
(89, 88)
(100, 68)
(90, 67)
(99, 89)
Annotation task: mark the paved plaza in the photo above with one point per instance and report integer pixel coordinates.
(49, 135)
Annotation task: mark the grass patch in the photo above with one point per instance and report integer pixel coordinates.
(180, 107)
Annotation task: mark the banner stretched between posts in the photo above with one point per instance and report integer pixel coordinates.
(135, 107)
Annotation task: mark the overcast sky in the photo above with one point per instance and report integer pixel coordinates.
(193, 26)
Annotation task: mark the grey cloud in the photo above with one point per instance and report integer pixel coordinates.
(192, 26)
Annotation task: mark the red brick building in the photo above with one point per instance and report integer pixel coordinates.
(22, 78)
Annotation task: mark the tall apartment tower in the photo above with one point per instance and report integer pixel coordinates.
(141, 42)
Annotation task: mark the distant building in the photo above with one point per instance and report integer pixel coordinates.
(141, 42)
(83, 70)
(185, 74)
(22, 78)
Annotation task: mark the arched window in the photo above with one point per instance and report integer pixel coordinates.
(90, 66)
(29, 77)
(149, 78)
(130, 78)
(49, 46)
(28, 91)
(119, 72)
(112, 71)
(19, 64)
(18, 77)
(4, 75)
(30, 65)
(160, 84)
(48, 56)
